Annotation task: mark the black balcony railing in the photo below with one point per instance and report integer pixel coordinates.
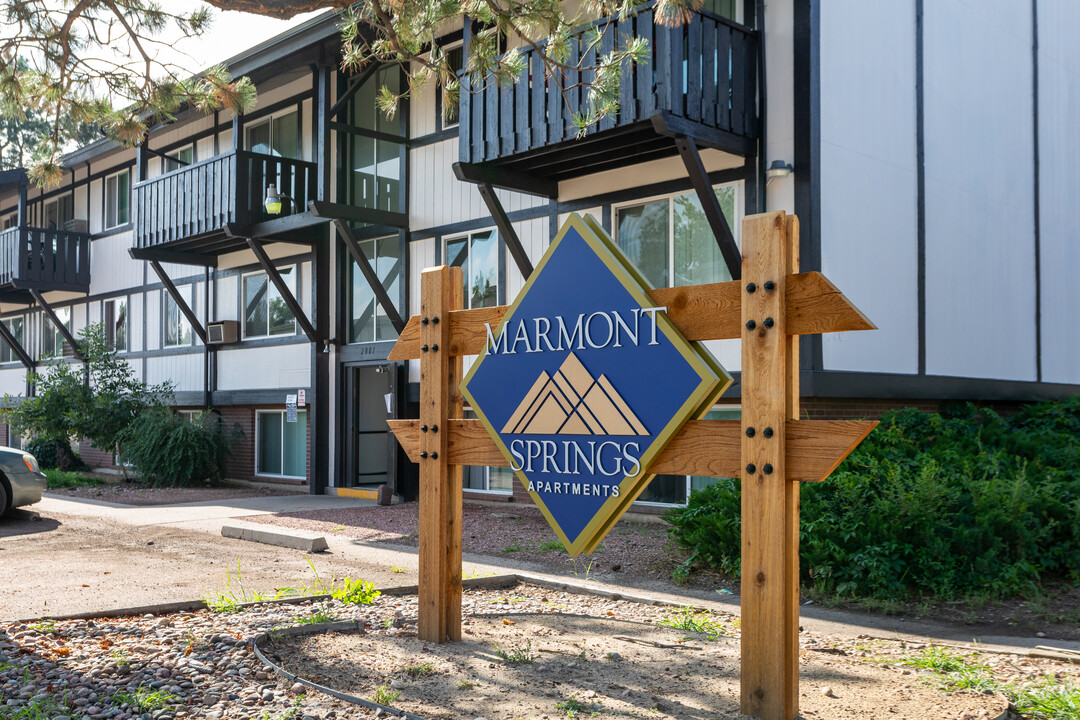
(703, 71)
(45, 259)
(202, 198)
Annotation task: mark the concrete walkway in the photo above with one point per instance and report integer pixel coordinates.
(389, 565)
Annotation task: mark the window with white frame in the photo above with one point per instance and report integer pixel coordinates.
(277, 135)
(114, 316)
(177, 330)
(15, 327)
(477, 254)
(455, 56)
(486, 479)
(192, 416)
(670, 241)
(117, 199)
(52, 340)
(367, 319)
(280, 446)
(59, 211)
(178, 158)
(676, 489)
(265, 312)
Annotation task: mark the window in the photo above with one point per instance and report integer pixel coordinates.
(192, 416)
(115, 319)
(181, 157)
(676, 489)
(367, 319)
(10, 220)
(52, 341)
(477, 254)
(455, 56)
(669, 240)
(117, 199)
(177, 330)
(15, 327)
(59, 211)
(486, 479)
(265, 313)
(278, 135)
(376, 163)
(280, 446)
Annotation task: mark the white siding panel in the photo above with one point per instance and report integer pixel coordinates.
(78, 318)
(422, 108)
(95, 217)
(869, 236)
(282, 366)
(421, 255)
(185, 371)
(111, 267)
(136, 322)
(227, 289)
(153, 320)
(980, 308)
(13, 381)
(1059, 187)
(534, 238)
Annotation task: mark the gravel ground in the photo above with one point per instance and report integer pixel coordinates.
(632, 550)
(201, 664)
(127, 493)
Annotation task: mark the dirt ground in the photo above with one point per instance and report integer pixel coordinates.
(127, 493)
(545, 665)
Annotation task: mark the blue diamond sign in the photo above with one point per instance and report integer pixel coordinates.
(585, 381)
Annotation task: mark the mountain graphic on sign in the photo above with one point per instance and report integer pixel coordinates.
(572, 402)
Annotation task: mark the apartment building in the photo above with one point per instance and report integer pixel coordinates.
(926, 147)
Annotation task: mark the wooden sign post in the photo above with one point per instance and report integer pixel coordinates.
(769, 449)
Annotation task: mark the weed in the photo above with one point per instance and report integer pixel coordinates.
(513, 548)
(385, 696)
(681, 574)
(518, 656)
(572, 707)
(121, 658)
(44, 627)
(686, 618)
(235, 594)
(465, 685)
(317, 617)
(941, 661)
(356, 592)
(474, 573)
(551, 546)
(1048, 701)
(144, 699)
(585, 567)
(36, 709)
(397, 569)
(420, 670)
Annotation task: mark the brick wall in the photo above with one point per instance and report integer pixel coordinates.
(241, 462)
(93, 456)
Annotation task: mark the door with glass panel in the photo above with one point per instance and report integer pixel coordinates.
(371, 402)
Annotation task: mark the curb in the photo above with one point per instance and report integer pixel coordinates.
(295, 539)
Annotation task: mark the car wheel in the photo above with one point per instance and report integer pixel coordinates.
(4, 499)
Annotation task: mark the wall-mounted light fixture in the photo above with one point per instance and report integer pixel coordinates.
(778, 169)
(273, 199)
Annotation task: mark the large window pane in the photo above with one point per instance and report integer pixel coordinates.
(280, 316)
(457, 255)
(363, 172)
(286, 131)
(294, 462)
(389, 77)
(123, 204)
(388, 268)
(670, 489)
(362, 304)
(270, 443)
(258, 138)
(255, 305)
(484, 270)
(388, 182)
(697, 256)
(643, 238)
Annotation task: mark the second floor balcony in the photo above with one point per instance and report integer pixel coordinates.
(43, 259)
(699, 79)
(209, 207)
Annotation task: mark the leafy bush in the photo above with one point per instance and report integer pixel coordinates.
(55, 453)
(955, 504)
(168, 450)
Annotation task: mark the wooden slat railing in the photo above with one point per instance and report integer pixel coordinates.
(45, 258)
(203, 197)
(704, 71)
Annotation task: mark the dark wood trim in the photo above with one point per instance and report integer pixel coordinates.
(506, 179)
(75, 347)
(710, 205)
(337, 211)
(173, 256)
(370, 275)
(354, 85)
(674, 126)
(506, 230)
(283, 289)
(181, 303)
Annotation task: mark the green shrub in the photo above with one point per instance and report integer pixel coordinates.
(947, 505)
(55, 453)
(168, 450)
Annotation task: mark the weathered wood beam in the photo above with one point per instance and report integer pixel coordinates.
(506, 230)
(370, 275)
(710, 205)
(283, 289)
(701, 312)
(703, 447)
(181, 302)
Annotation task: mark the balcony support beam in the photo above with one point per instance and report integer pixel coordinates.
(75, 347)
(506, 179)
(17, 348)
(283, 289)
(181, 303)
(506, 229)
(383, 297)
(710, 205)
(173, 256)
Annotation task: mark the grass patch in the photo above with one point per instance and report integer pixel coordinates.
(513, 548)
(144, 699)
(66, 479)
(317, 617)
(551, 546)
(420, 670)
(517, 656)
(1049, 701)
(45, 709)
(686, 618)
(571, 707)
(385, 696)
(465, 685)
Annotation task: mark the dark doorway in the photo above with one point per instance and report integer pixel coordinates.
(370, 458)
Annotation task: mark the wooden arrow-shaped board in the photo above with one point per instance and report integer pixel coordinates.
(704, 447)
(700, 312)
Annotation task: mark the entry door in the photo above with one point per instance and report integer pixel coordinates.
(373, 403)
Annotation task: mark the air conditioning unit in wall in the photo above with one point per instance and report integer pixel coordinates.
(223, 332)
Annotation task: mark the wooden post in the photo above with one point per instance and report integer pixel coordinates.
(440, 482)
(770, 598)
